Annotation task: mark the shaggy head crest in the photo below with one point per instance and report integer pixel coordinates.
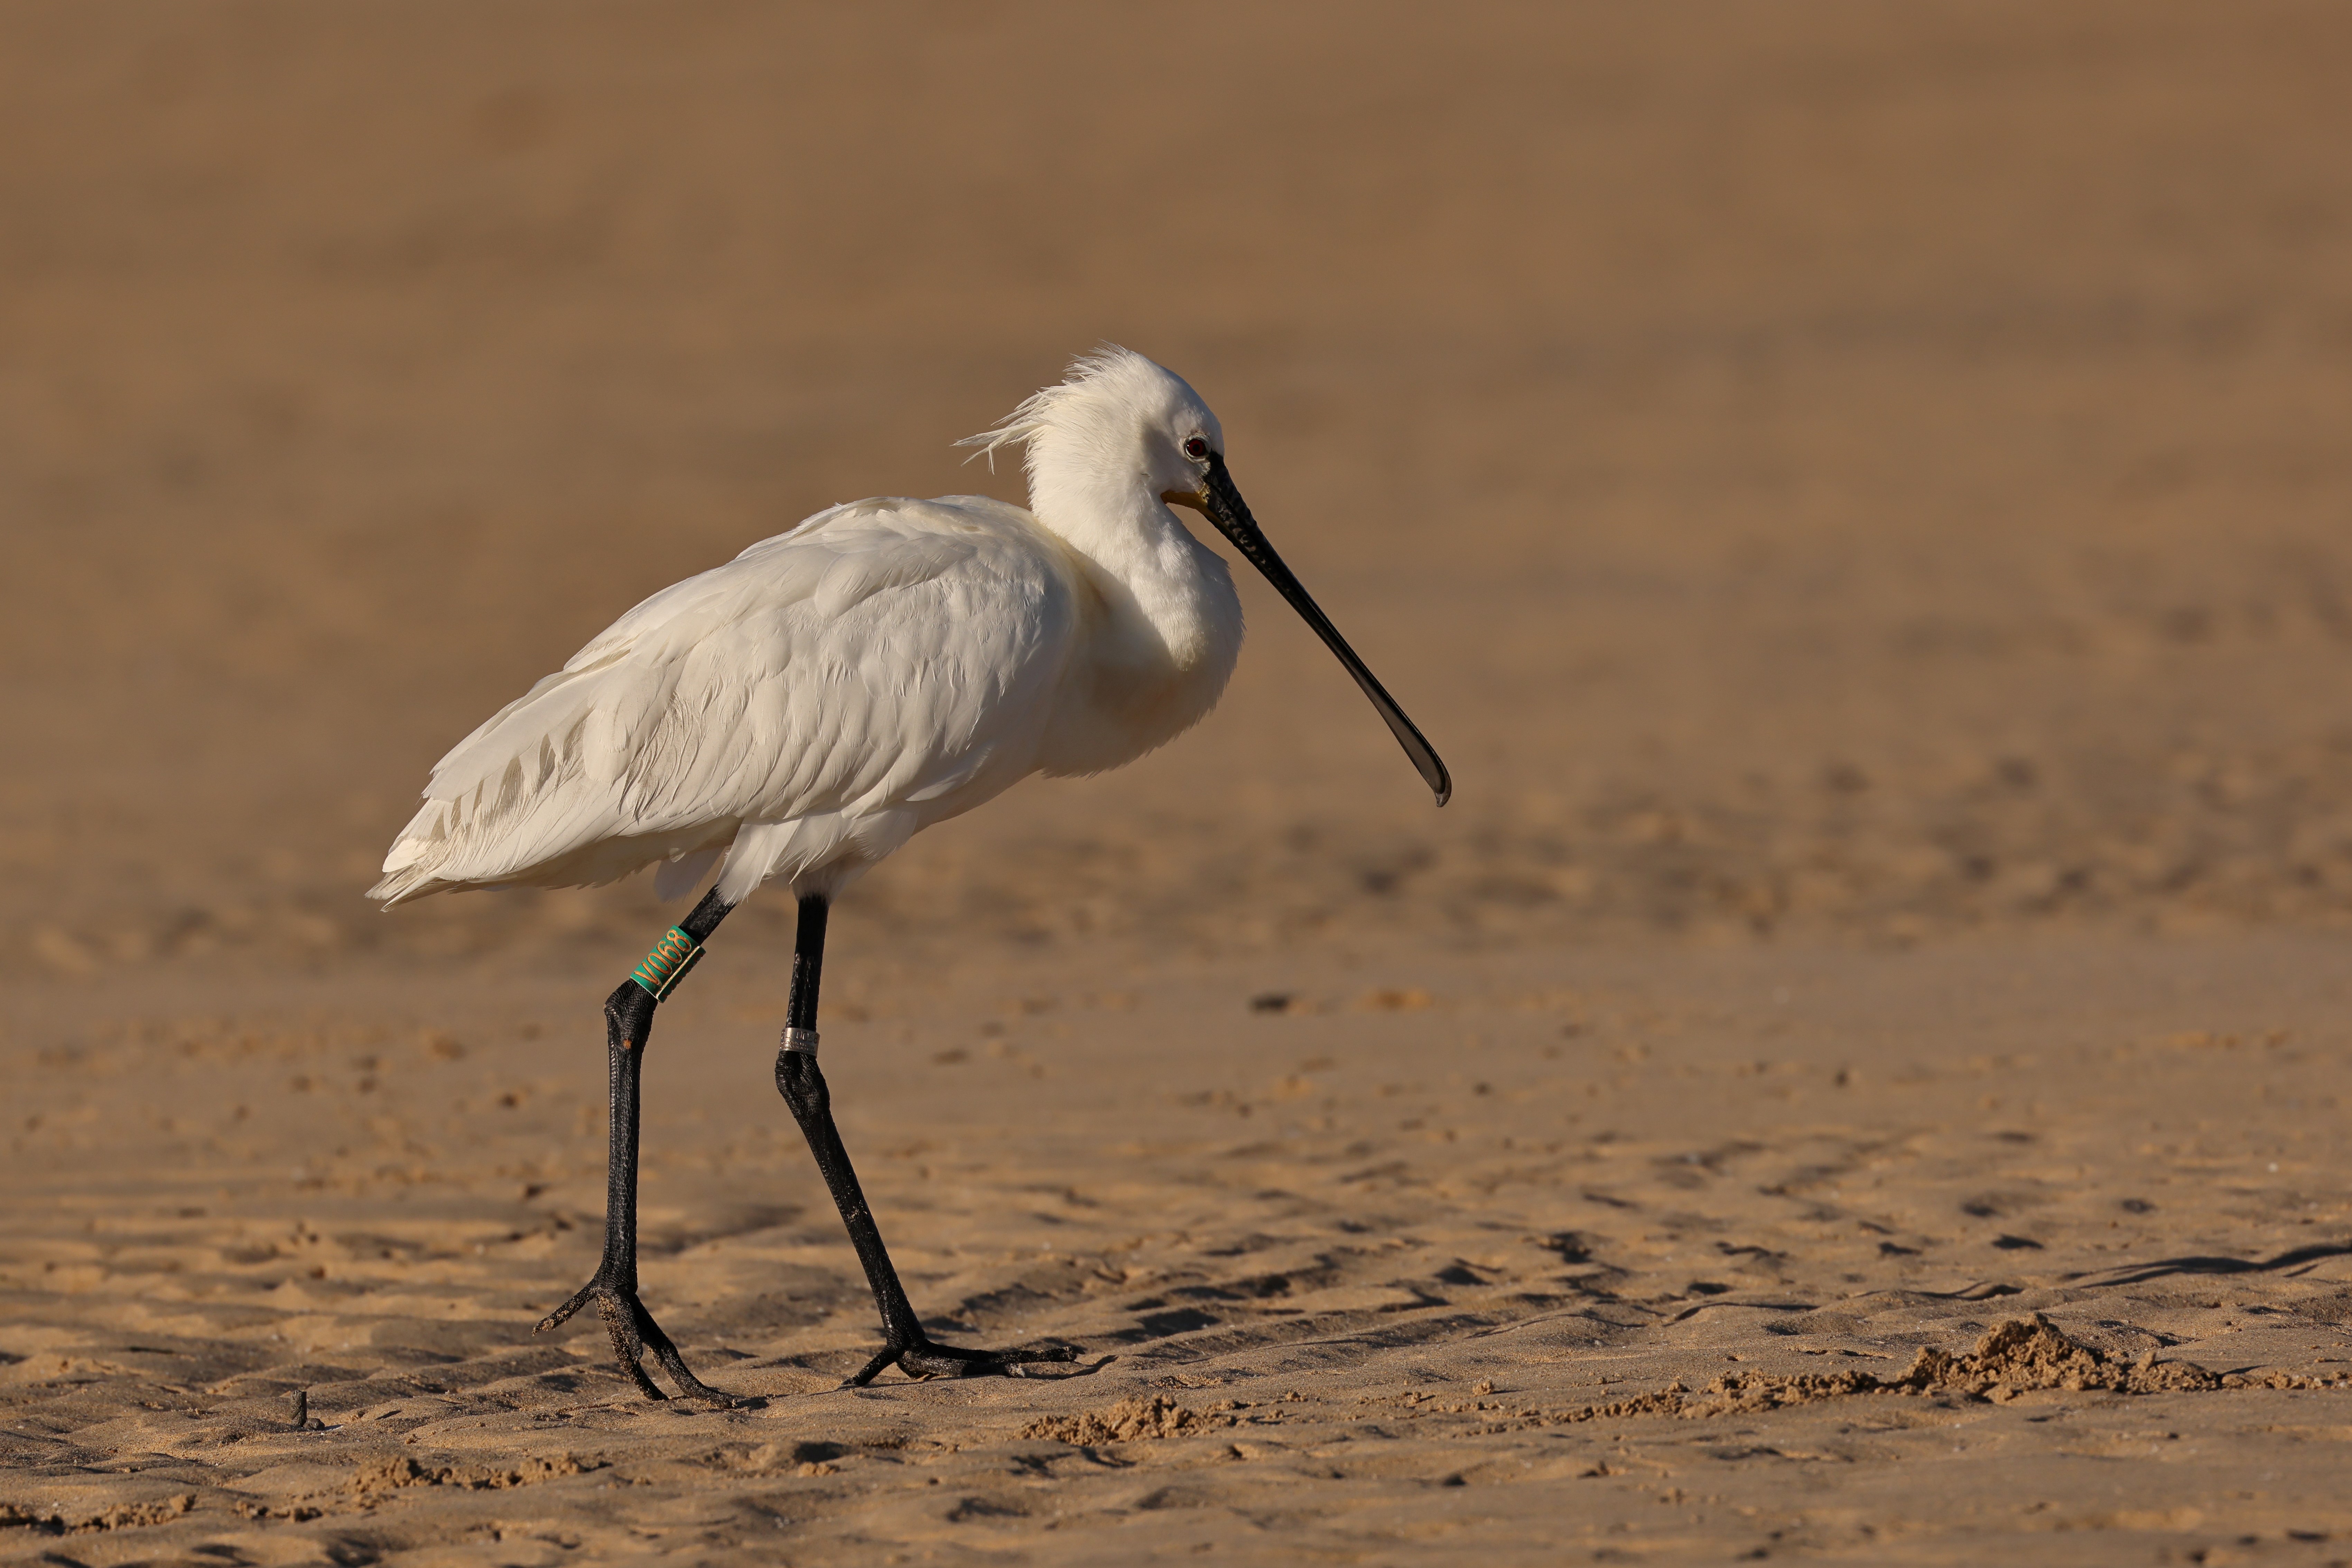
(1098, 386)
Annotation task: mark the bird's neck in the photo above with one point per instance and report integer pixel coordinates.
(1164, 625)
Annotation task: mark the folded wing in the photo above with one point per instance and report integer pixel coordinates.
(882, 653)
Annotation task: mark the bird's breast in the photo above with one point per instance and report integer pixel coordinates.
(1151, 657)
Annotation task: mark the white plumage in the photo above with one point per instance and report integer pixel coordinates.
(805, 708)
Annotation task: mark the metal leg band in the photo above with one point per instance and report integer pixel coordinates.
(667, 963)
(801, 1040)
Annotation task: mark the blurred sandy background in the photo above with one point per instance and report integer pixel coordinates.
(1857, 492)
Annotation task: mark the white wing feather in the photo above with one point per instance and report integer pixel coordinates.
(883, 655)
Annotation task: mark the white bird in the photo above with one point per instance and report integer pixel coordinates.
(800, 713)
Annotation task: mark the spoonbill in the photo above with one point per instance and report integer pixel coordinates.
(800, 713)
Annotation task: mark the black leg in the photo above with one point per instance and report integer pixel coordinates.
(628, 1023)
(803, 1086)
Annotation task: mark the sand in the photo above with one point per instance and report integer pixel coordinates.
(1858, 495)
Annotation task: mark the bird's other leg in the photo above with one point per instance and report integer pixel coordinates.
(628, 1023)
(799, 1080)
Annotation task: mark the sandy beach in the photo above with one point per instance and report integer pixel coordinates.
(1859, 495)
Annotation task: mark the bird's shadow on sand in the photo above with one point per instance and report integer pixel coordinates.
(1077, 1369)
(2300, 1261)
(762, 1401)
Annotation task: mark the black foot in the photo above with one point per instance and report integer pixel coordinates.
(634, 1332)
(925, 1359)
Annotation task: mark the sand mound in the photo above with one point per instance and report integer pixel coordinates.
(118, 1516)
(1129, 1421)
(2020, 1356)
(2017, 1357)
(376, 1483)
(370, 1483)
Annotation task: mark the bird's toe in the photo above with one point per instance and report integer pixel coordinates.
(926, 1361)
(633, 1331)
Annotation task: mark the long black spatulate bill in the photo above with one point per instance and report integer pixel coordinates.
(1232, 515)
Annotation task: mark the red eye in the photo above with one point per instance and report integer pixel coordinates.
(1196, 449)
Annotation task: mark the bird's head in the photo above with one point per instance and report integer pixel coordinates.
(1116, 408)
